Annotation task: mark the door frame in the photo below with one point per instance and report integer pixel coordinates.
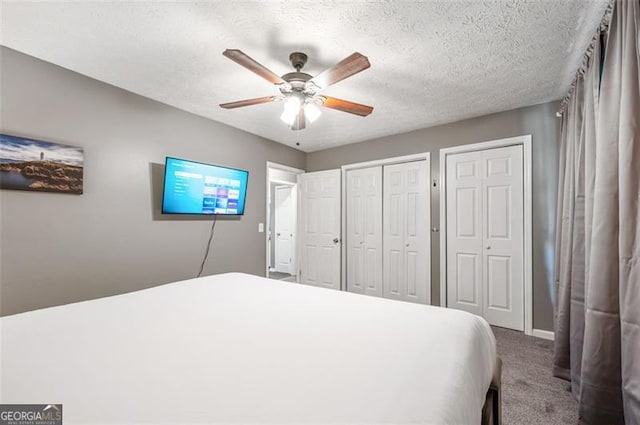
(525, 142)
(281, 167)
(385, 161)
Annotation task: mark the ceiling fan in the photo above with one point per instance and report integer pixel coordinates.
(301, 91)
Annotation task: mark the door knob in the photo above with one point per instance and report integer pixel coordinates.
(277, 234)
(361, 242)
(407, 245)
(488, 247)
(336, 240)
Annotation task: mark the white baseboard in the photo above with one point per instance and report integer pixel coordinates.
(539, 333)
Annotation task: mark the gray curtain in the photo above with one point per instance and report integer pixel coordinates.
(598, 229)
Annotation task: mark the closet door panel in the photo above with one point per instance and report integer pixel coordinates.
(503, 229)
(373, 231)
(416, 231)
(394, 282)
(464, 232)
(406, 231)
(364, 231)
(355, 236)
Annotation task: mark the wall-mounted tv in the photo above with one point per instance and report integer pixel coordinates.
(197, 188)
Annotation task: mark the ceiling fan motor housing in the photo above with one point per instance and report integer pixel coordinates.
(298, 60)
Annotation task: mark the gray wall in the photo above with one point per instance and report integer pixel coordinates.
(539, 121)
(57, 248)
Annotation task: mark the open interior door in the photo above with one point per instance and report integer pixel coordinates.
(320, 231)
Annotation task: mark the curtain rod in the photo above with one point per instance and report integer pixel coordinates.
(602, 28)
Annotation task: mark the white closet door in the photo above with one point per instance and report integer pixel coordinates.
(320, 228)
(485, 234)
(464, 232)
(503, 229)
(406, 232)
(364, 231)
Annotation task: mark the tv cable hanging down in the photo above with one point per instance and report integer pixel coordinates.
(206, 254)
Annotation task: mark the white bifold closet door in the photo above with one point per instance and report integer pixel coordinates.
(406, 232)
(485, 234)
(364, 231)
(320, 228)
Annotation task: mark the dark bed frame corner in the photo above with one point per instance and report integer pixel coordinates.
(492, 409)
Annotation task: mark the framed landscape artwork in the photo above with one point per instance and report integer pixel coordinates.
(36, 165)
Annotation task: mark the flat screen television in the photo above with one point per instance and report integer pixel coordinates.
(197, 188)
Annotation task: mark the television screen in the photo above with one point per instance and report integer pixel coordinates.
(197, 188)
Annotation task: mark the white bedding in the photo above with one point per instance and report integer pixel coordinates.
(241, 349)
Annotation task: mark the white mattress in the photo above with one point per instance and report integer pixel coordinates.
(241, 349)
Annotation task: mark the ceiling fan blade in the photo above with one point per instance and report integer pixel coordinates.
(252, 65)
(346, 106)
(300, 121)
(247, 102)
(343, 69)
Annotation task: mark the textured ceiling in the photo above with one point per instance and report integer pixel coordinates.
(431, 62)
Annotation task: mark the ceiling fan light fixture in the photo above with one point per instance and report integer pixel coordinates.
(312, 111)
(288, 118)
(291, 108)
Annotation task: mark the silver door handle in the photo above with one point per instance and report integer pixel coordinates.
(361, 242)
(277, 234)
(488, 247)
(407, 245)
(336, 240)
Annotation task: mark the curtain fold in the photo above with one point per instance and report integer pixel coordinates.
(598, 230)
(625, 84)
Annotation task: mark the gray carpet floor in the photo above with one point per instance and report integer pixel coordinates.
(278, 275)
(530, 393)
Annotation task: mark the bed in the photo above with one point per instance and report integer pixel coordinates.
(241, 349)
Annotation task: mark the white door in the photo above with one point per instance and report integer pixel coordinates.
(284, 211)
(406, 232)
(364, 231)
(464, 232)
(503, 229)
(320, 228)
(485, 234)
